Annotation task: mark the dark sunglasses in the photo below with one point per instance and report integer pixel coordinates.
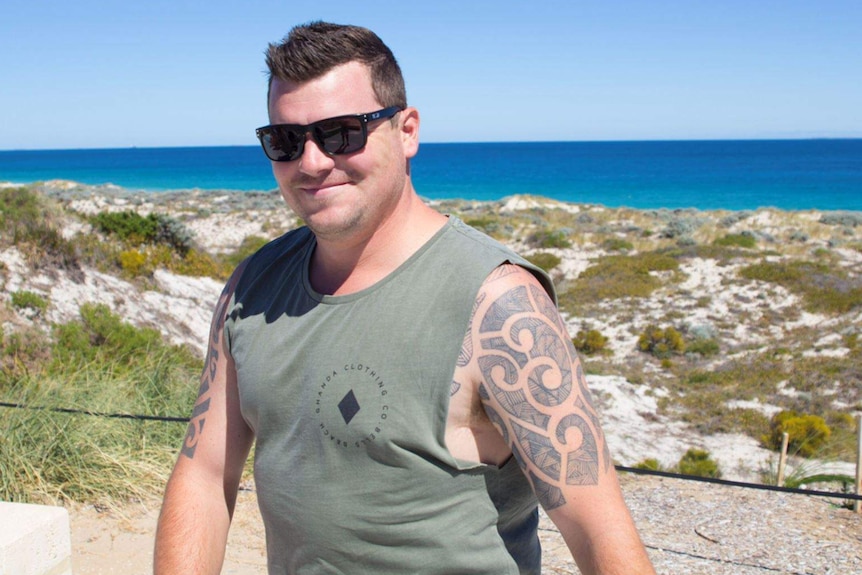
(339, 135)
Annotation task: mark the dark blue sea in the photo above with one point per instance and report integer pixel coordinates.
(789, 174)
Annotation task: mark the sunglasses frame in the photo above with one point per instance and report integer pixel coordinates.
(364, 119)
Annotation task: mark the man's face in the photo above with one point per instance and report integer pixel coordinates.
(351, 195)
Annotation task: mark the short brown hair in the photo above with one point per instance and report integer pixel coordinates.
(311, 50)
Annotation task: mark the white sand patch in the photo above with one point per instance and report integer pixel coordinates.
(807, 319)
(224, 232)
(761, 219)
(704, 275)
(783, 388)
(573, 261)
(636, 431)
(830, 345)
(93, 205)
(829, 339)
(16, 269)
(524, 203)
(181, 309)
(754, 404)
(740, 457)
(632, 426)
(849, 257)
(72, 228)
(182, 314)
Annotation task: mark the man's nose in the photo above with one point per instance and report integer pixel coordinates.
(313, 158)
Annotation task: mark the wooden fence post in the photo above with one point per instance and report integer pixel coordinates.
(857, 505)
(782, 459)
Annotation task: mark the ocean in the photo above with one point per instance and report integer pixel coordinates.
(823, 174)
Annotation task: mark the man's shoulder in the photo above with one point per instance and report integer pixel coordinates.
(277, 256)
(290, 242)
(511, 267)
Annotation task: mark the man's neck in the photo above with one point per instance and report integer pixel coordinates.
(348, 265)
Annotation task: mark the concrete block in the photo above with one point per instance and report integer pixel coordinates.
(34, 540)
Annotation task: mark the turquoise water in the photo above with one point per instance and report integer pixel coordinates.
(788, 174)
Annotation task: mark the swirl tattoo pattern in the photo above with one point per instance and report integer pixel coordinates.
(533, 389)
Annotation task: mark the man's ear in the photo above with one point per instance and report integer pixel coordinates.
(409, 123)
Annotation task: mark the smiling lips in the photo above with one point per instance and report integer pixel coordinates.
(315, 190)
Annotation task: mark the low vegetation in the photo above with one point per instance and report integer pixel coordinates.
(695, 462)
(616, 277)
(807, 434)
(661, 342)
(102, 365)
(545, 260)
(590, 342)
(711, 360)
(823, 287)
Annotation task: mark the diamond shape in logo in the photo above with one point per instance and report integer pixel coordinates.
(348, 406)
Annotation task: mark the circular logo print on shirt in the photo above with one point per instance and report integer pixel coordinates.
(352, 405)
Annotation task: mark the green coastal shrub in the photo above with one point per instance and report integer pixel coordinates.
(128, 225)
(680, 225)
(807, 434)
(102, 336)
(133, 263)
(135, 229)
(823, 288)
(30, 223)
(847, 219)
(21, 215)
(545, 260)
(617, 245)
(661, 342)
(549, 239)
(195, 263)
(618, 276)
(706, 347)
(734, 218)
(650, 464)
(27, 299)
(742, 240)
(484, 224)
(590, 341)
(698, 462)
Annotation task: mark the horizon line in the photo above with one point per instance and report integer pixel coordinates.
(464, 142)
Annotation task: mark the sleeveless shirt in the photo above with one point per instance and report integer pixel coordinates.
(348, 398)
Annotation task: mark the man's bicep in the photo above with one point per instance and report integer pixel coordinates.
(533, 388)
(216, 432)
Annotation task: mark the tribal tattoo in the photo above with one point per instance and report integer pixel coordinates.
(202, 404)
(534, 391)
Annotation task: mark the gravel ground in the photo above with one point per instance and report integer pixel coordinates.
(698, 528)
(688, 528)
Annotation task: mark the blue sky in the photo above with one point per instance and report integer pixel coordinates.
(95, 74)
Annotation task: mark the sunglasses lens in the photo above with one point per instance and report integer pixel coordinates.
(340, 135)
(282, 144)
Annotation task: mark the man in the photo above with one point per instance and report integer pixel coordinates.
(408, 381)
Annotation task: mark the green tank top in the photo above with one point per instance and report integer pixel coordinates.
(348, 398)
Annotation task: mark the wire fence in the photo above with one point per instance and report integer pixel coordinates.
(621, 468)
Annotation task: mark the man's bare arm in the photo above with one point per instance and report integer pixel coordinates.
(533, 389)
(201, 493)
